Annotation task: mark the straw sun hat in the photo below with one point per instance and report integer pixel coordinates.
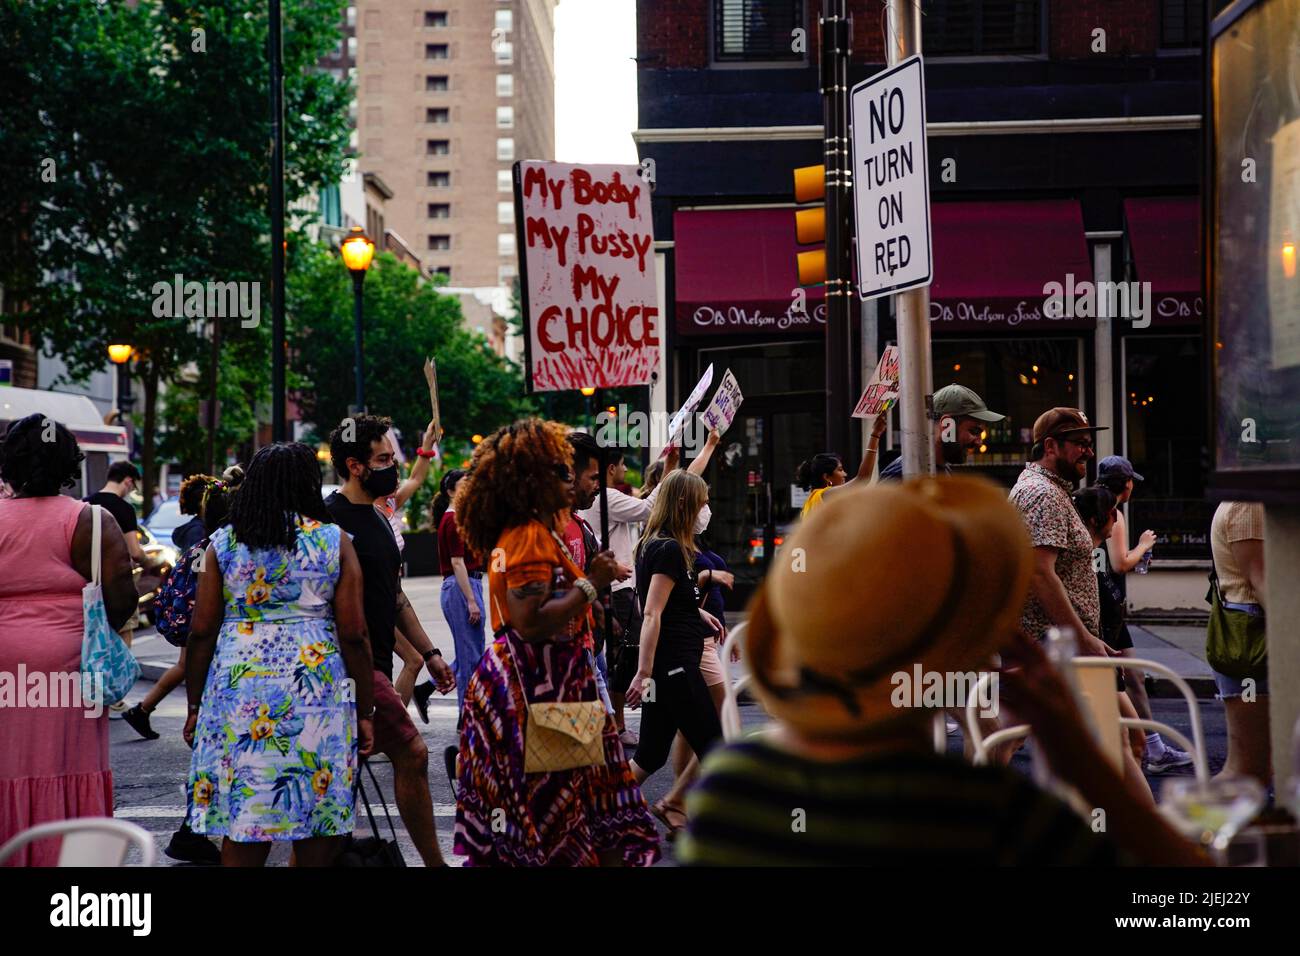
(932, 571)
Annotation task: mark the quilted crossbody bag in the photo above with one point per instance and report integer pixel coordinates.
(559, 735)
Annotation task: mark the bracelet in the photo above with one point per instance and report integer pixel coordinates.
(587, 588)
(194, 708)
(426, 454)
(432, 652)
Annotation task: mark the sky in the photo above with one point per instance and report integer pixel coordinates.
(595, 81)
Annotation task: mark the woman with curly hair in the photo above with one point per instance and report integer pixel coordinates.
(53, 759)
(509, 508)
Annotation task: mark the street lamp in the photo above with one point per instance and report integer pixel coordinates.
(357, 251)
(120, 355)
(587, 392)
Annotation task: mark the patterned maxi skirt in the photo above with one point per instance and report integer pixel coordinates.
(562, 818)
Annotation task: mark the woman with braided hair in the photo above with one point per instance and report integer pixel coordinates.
(509, 509)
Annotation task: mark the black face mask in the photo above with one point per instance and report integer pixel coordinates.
(381, 482)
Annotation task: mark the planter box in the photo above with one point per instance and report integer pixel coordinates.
(421, 554)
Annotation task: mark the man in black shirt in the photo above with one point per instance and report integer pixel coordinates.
(364, 457)
(122, 480)
(959, 417)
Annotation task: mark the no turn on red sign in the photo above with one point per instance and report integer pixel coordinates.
(891, 184)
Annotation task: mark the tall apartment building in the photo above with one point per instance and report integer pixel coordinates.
(450, 94)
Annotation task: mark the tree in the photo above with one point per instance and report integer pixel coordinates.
(405, 320)
(133, 148)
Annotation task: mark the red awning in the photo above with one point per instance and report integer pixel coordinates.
(1165, 234)
(992, 261)
(736, 274)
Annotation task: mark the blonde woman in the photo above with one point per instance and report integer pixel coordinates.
(673, 629)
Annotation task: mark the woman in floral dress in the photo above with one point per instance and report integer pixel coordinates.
(277, 650)
(508, 507)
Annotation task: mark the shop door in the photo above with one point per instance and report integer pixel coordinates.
(751, 484)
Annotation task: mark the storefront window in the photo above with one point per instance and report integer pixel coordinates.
(1164, 434)
(1021, 378)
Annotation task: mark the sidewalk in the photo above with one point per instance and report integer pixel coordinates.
(1182, 649)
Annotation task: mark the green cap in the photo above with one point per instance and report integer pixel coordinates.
(958, 400)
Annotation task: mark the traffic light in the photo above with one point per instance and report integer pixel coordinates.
(810, 223)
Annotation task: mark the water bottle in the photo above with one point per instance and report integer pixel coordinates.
(1144, 562)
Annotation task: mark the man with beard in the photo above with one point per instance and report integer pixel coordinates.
(959, 419)
(365, 459)
(1063, 592)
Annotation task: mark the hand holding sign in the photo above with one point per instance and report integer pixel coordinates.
(881, 393)
(431, 376)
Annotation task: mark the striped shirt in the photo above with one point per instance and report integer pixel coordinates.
(758, 806)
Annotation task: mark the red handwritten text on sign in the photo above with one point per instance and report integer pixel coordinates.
(592, 302)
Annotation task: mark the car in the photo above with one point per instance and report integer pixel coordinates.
(165, 519)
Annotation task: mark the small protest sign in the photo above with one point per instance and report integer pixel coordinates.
(726, 402)
(881, 393)
(688, 407)
(586, 250)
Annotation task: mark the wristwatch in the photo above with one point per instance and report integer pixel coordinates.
(433, 652)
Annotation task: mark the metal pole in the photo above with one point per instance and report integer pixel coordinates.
(212, 398)
(836, 34)
(915, 373)
(275, 54)
(358, 283)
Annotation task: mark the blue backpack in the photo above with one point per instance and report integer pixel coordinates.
(174, 606)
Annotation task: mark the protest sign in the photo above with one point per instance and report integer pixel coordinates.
(586, 251)
(725, 404)
(688, 408)
(881, 393)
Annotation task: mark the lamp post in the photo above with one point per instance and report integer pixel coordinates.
(120, 355)
(586, 395)
(357, 251)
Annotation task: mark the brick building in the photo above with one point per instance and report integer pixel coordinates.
(1064, 139)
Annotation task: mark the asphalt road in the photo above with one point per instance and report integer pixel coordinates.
(149, 775)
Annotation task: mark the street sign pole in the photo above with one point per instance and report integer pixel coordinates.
(836, 33)
(912, 307)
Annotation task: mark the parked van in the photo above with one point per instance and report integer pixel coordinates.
(101, 444)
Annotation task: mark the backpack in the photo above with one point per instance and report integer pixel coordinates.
(174, 606)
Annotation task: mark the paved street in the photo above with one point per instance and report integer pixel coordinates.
(149, 775)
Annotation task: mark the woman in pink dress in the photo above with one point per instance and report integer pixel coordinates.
(53, 753)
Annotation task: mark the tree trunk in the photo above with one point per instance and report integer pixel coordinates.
(150, 428)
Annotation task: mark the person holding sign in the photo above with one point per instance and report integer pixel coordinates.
(824, 473)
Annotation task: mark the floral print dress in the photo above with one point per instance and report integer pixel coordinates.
(275, 746)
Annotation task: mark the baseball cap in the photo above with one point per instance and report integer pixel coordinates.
(958, 400)
(1062, 421)
(1117, 465)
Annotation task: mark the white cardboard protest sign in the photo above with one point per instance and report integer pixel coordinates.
(726, 402)
(586, 247)
(692, 401)
(881, 393)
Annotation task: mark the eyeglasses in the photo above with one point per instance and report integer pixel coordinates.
(1085, 443)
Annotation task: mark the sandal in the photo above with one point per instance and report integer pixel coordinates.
(661, 811)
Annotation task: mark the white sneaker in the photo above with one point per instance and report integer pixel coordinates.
(1171, 759)
(120, 706)
(629, 738)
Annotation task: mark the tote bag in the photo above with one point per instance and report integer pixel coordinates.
(108, 668)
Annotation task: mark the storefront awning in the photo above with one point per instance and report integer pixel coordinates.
(993, 260)
(736, 274)
(1165, 234)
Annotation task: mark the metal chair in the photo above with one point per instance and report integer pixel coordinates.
(1196, 746)
(89, 841)
(733, 686)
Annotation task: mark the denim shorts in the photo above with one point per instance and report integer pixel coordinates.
(1230, 688)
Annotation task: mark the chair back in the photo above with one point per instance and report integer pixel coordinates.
(89, 841)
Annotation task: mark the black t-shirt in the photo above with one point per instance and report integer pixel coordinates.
(681, 631)
(118, 508)
(381, 563)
